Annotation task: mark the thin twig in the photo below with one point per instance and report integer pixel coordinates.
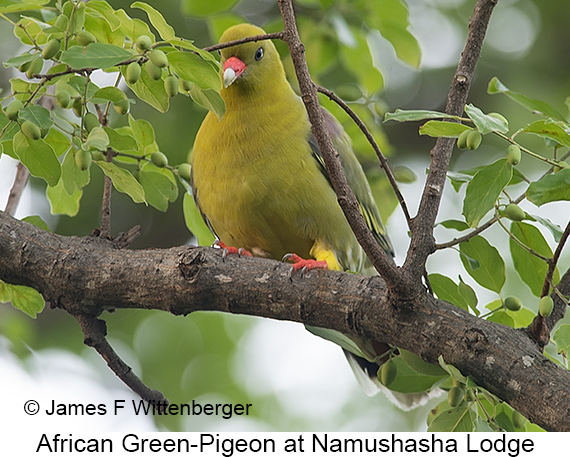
(521, 244)
(105, 230)
(554, 261)
(422, 243)
(469, 235)
(20, 181)
(95, 330)
(370, 138)
(228, 44)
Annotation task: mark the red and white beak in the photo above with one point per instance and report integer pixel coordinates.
(233, 68)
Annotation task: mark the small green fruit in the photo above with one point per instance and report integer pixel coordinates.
(462, 140)
(171, 85)
(513, 303)
(63, 99)
(85, 38)
(469, 395)
(514, 154)
(122, 106)
(455, 396)
(153, 71)
(514, 212)
(388, 372)
(133, 73)
(143, 43)
(83, 159)
(24, 67)
(31, 130)
(13, 109)
(90, 121)
(77, 106)
(35, 67)
(186, 85)
(545, 306)
(518, 419)
(51, 48)
(474, 139)
(185, 171)
(61, 22)
(159, 159)
(158, 58)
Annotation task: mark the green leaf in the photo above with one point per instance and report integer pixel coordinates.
(408, 380)
(37, 221)
(391, 18)
(443, 128)
(97, 139)
(58, 141)
(562, 338)
(459, 419)
(38, 157)
(454, 224)
(416, 363)
(484, 189)
(151, 92)
(552, 130)
(486, 123)
(195, 223)
(209, 99)
(123, 181)
(143, 133)
(530, 268)
(165, 31)
(133, 28)
(95, 55)
(447, 290)
(120, 142)
(489, 267)
(61, 202)
(555, 229)
(72, 177)
(105, 10)
(497, 87)
(23, 298)
(194, 68)
(112, 94)
(8, 6)
(357, 55)
(451, 370)
(102, 30)
(36, 115)
(211, 7)
(159, 186)
(401, 115)
(550, 188)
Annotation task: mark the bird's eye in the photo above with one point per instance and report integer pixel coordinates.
(220, 53)
(259, 54)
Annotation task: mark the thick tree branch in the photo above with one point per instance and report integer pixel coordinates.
(89, 275)
(422, 242)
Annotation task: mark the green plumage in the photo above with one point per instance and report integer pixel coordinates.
(258, 176)
(260, 182)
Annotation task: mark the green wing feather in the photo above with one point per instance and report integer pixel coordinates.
(355, 177)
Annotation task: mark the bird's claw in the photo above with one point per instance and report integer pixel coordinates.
(303, 264)
(231, 250)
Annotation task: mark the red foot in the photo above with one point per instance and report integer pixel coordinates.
(231, 249)
(304, 264)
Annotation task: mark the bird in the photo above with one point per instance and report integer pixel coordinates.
(260, 183)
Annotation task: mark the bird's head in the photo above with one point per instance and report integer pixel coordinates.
(249, 64)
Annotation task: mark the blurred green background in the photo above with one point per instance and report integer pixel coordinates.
(294, 380)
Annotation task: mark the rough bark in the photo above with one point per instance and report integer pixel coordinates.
(90, 275)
